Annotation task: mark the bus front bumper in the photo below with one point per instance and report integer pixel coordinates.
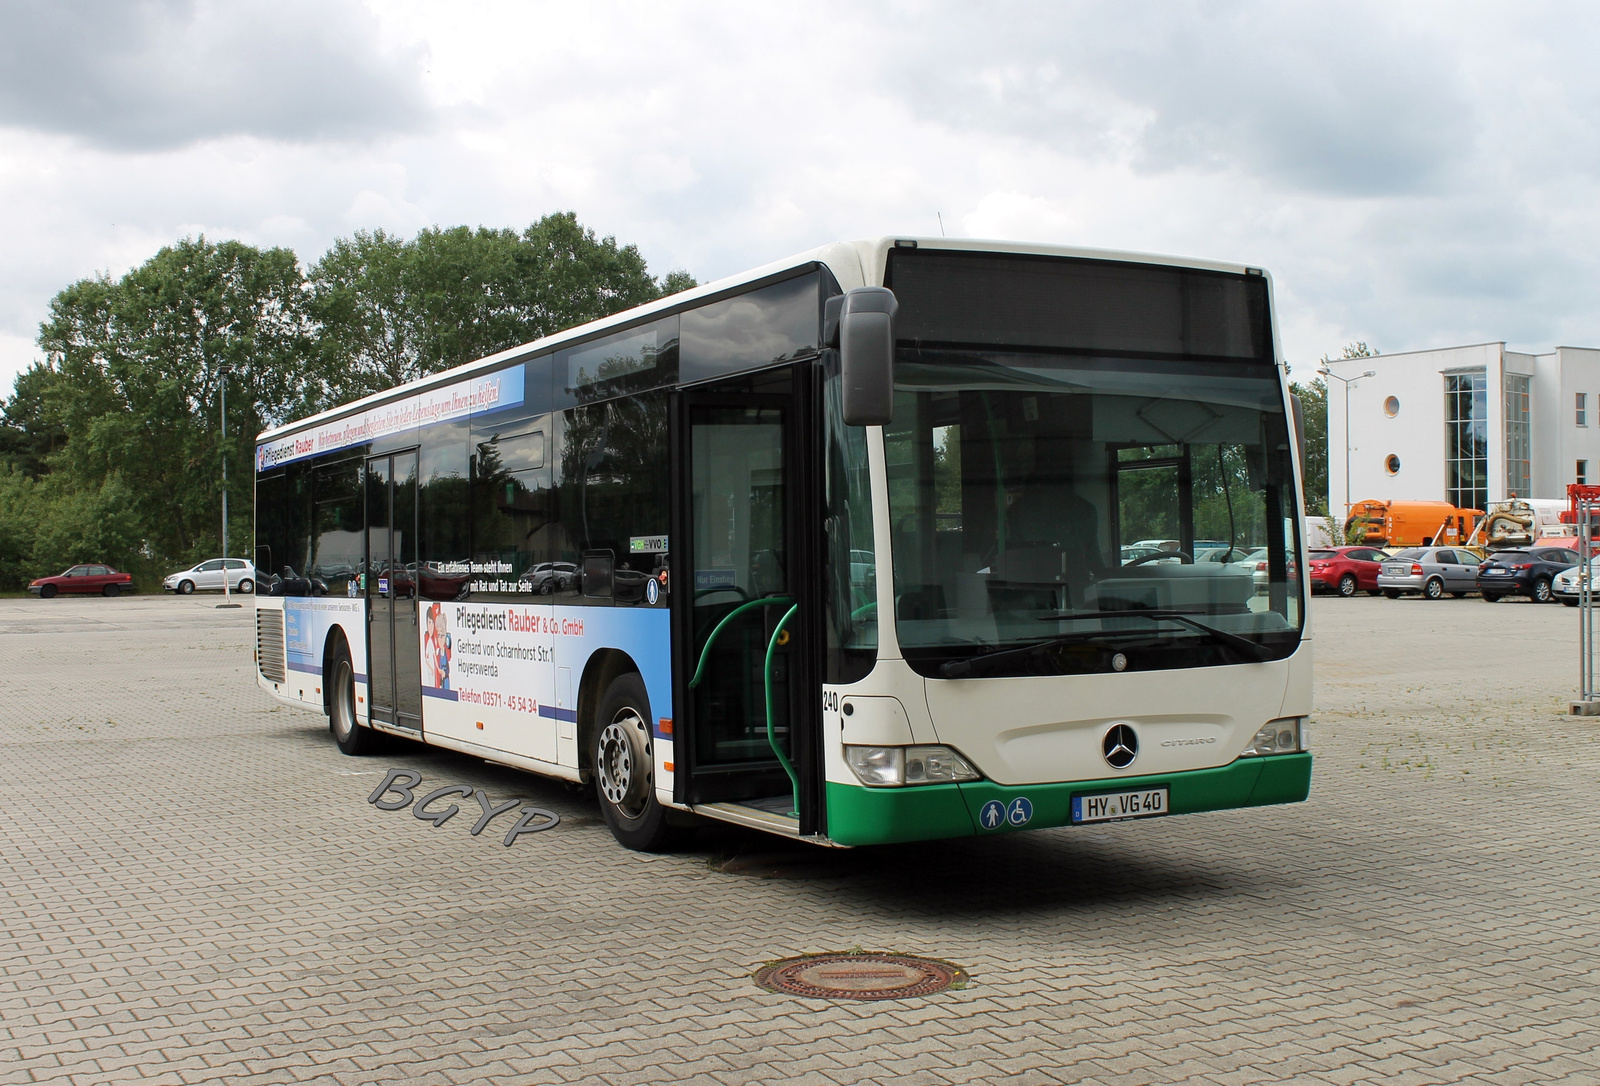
(882, 816)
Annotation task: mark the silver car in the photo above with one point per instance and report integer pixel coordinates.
(208, 576)
(1429, 571)
(1567, 586)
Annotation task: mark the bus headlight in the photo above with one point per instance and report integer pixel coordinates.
(891, 767)
(1290, 735)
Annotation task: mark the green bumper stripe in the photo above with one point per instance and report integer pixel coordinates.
(880, 816)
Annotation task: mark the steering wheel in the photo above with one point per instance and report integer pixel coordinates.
(1183, 557)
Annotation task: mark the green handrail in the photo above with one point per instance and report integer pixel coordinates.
(705, 653)
(772, 738)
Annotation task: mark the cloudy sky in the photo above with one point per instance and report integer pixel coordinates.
(1414, 175)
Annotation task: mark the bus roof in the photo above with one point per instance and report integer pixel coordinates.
(853, 264)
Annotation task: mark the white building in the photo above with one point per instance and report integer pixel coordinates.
(1467, 425)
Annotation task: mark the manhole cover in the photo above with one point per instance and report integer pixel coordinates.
(859, 976)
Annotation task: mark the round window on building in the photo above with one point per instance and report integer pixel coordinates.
(1392, 464)
(1391, 406)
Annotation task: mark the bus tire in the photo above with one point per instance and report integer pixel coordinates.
(624, 776)
(353, 739)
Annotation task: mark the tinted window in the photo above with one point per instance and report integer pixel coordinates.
(1078, 305)
(1445, 558)
(1412, 552)
(515, 526)
(750, 330)
(630, 361)
(443, 511)
(270, 498)
(1326, 554)
(1512, 556)
(1562, 556)
(338, 544)
(611, 485)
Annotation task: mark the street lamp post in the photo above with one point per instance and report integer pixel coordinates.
(1348, 381)
(222, 380)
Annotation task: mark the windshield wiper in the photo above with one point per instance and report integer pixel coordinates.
(957, 669)
(1250, 648)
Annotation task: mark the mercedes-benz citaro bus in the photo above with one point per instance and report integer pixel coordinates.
(892, 540)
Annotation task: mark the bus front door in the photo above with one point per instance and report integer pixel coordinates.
(750, 732)
(394, 648)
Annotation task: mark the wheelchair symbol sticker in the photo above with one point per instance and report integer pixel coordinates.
(1019, 812)
(993, 815)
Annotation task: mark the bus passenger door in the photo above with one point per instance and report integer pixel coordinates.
(743, 607)
(394, 648)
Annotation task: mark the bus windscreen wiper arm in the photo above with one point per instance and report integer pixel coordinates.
(957, 669)
(1250, 648)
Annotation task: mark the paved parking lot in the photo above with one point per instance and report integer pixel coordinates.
(196, 890)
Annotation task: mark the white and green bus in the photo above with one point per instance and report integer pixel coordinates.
(892, 540)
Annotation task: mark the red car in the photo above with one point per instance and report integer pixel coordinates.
(1346, 570)
(84, 579)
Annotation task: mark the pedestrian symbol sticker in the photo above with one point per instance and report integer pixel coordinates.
(652, 592)
(1019, 812)
(993, 815)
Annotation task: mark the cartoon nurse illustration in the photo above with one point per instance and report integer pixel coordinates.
(436, 649)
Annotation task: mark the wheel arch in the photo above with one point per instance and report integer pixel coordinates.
(603, 667)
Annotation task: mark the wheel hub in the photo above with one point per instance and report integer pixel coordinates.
(624, 769)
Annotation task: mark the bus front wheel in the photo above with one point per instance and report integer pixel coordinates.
(624, 776)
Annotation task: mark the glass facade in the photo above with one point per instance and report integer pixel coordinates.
(1519, 438)
(1466, 437)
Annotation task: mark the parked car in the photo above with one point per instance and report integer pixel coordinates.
(85, 580)
(1346, 570)
(207, 576)
(1260, 570)
(1430, 572)
(1524, 572)
(548, 577)
(1566, 586)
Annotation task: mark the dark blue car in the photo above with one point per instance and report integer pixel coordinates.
(1523, 572)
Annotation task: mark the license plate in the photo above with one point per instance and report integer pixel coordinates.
(1393, 571)
(1494, 573)
(1115, 806)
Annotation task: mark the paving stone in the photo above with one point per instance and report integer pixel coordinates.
(196, 891)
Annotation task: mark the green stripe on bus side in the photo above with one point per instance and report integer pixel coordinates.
(880, 816)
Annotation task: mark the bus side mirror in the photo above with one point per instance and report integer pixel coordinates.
(866, 356)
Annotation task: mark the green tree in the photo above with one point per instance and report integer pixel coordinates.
(139, 365)
(390, 311)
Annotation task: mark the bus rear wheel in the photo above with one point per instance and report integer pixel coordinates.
(624, 774)
(352, 738)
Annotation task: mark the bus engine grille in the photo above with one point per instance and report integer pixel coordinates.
(269, 644)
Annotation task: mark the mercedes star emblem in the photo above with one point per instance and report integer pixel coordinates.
(1121, 746)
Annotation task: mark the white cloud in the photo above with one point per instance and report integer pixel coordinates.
(1411, 175)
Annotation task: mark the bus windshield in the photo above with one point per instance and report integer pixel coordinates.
(1040, 498)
